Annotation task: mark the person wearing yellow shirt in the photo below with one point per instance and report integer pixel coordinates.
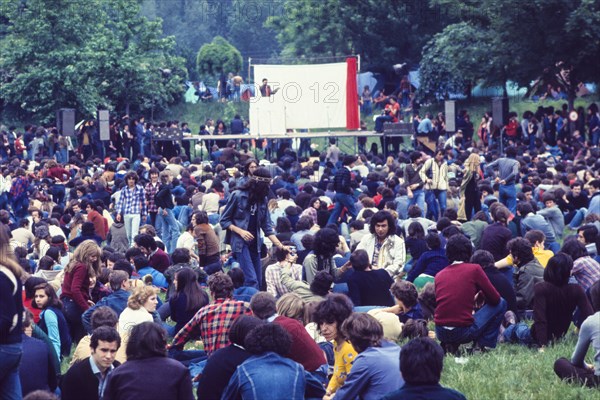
(329, 316)
(537, 239)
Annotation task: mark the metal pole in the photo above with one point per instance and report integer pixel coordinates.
(249, 66)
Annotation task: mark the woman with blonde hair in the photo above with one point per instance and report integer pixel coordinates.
(292, 306)
(11, 315)
(75, 296)
(470, 198)
(140, 306)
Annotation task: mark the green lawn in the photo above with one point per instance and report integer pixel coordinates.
(515, 372)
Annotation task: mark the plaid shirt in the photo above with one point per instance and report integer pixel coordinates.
(151, 191)
(132, 201)
(211, 323)
(19, 187)
(586, 271)
(273, 278)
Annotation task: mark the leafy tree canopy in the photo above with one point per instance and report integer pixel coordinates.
(85, 55)
(218, 57)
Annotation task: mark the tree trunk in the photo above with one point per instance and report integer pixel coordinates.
(505, 89)
(127, 108)
(571, 95)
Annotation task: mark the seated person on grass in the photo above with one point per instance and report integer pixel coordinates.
(554, 302)
(374, 372)
(528, 272)
(455, 289)
(407, 301)
(421, 364)
(537, 240)
(576, 369)
(367, 286)
(430, 263)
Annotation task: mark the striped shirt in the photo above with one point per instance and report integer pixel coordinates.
(439, 174)
(132, 201)
(273, 278)
(586, 271)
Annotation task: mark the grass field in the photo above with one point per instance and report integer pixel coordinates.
(515, 372)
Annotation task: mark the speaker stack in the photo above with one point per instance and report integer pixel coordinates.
(104, 124)
(450, 113)
(65, 121)
(500, 111)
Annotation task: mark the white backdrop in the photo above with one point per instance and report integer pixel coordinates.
(309, 96)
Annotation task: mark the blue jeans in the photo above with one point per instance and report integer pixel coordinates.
(342, 200)
(418, 199)
(58, 193)
(436, 203)
(578, 218)
(184, 216)
(187, 357)
(169, 229)
(380, 121)
(72, 314)
(518, 333)
(10, 384)
(508, 197)
(20, 207)
(3, 201)
(596, 137)
(531, 142)
(367, 107)
(250, 263)
(484, 329)
(554, 246)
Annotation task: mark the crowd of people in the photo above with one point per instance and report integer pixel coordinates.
(302, 277)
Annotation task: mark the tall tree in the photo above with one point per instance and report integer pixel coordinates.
(383, 32)
(85, 55)
(218, 57)
(520, 41)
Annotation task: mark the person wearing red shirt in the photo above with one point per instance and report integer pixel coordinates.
(97, 219)
(304, 349)
(59, 176)
(76, 285)
(511, 129)
(458, 287)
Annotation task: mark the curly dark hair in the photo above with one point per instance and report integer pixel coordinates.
(521, 248)
(336, 308)
(221, 285)
(381, 216)
(268, 337)
(326, 242)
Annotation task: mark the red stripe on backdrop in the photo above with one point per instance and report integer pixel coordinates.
(352, 115)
